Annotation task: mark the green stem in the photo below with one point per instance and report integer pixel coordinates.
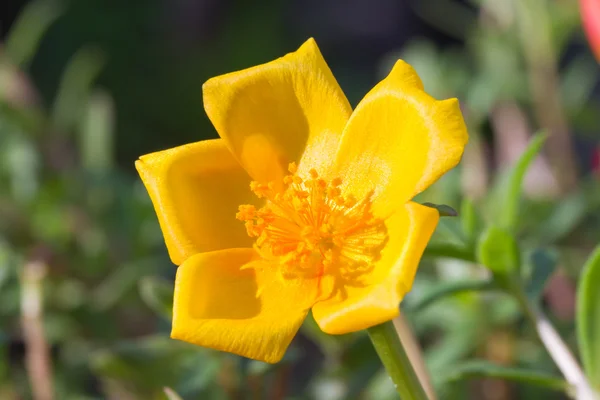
(396, 362)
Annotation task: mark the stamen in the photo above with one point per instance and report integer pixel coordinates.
(312, 229)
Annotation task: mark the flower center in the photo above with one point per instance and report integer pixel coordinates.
(312, 229)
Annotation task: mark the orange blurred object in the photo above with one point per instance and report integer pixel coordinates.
(590, 16)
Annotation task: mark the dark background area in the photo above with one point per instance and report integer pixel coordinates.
(157, 54)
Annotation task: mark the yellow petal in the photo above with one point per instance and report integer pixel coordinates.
(399, 141)
(196, 190)
(271, 113)
(375, 300)
(230, 301)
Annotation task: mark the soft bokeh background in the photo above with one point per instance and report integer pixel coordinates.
(87, 86)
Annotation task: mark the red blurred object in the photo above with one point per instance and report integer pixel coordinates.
(590, 15)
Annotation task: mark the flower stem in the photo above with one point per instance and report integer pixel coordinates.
(415, 354)
(37, 357)
(396, 361)
(556, 347)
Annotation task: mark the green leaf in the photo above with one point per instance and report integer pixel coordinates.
(567, 214)
(470, 220)
(588, 318)
(498, 251)
(512, 196)
(485, 369)
(449, 250)
(151, 363)
(543, 263)
(97, 133)
(443, 209)
(158, 295)
(113, 288)
(463, 333)
(451, 288)
(24, 37)
(75, 85)
(6, 263)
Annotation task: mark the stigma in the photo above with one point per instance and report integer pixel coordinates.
(310, 228)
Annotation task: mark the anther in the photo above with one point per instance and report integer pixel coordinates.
(310, 228)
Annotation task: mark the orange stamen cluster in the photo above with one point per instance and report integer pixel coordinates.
(312, 229)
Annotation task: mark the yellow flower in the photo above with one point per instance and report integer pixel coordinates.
(302, 204)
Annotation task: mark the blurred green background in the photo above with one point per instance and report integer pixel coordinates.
(88, 86)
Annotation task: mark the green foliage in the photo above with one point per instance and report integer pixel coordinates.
(470, 220)
(570, 213)
(510, 198)
(588, 318)
(79, 76)
(543, 265)
(498, 251)
(485, 369)
(449, 288)
(443, 209)
(28, 30)
(158, 295)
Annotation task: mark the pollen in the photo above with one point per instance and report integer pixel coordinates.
(312, 229)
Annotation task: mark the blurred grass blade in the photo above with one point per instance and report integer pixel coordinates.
(154, 362)
(443, 209)
(470, 220)
(485, 369)
(23, 39)
(116, 285)
(22, 162)
(6, 262)
(567, 214)
(460, 324)
(74, 90)
(449, 289)
(171, 395)
(449, 250)
(97, 133)
(498, 251)
(543, 264)
(588, 318)
(510, 210)
(158, 295)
